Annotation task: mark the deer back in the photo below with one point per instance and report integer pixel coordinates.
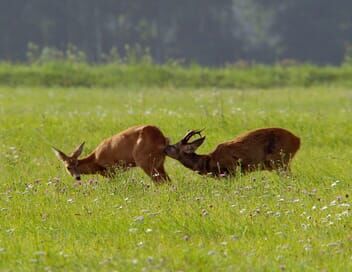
(122, 146)
(256, 147)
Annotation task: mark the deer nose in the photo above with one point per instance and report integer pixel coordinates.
(78, 178)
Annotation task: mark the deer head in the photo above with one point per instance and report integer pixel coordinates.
(71, 161)
(183, 147)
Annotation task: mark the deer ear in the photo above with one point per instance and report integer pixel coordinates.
(59, 154)
(192, 147)
(78, 151)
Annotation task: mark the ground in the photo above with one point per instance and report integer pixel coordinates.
(255, 222)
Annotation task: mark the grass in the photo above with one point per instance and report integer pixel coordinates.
(257, 222)
(144, 74)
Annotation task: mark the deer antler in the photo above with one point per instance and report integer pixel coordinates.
(189, 135)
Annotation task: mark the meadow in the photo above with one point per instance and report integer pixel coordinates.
(255, 222)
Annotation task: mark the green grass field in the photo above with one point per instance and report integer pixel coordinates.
(257, 222)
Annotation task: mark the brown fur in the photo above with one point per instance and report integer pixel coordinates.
(141, 146)
(261, 149)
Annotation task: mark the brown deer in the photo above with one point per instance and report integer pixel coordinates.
(261, 149)
(141, 146)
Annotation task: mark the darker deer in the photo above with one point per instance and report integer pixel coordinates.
(141, 146)
(261, 149)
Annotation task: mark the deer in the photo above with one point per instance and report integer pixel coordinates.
(260, 149)
(141, 146)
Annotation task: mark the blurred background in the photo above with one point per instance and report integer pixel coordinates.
(207, 32)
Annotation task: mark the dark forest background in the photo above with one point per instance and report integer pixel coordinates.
(207, 32)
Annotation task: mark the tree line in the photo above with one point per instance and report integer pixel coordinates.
(207, 32)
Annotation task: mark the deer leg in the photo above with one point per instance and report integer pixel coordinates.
(285, 164)
(164, 176)
(151, 171)
(281, 166)
(105, 174)
(150, 158)
(154, 168)
(104, 171)
(284, 170)
(110, 171)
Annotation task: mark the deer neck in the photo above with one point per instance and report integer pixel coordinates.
(199, 163)
(88, 165)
